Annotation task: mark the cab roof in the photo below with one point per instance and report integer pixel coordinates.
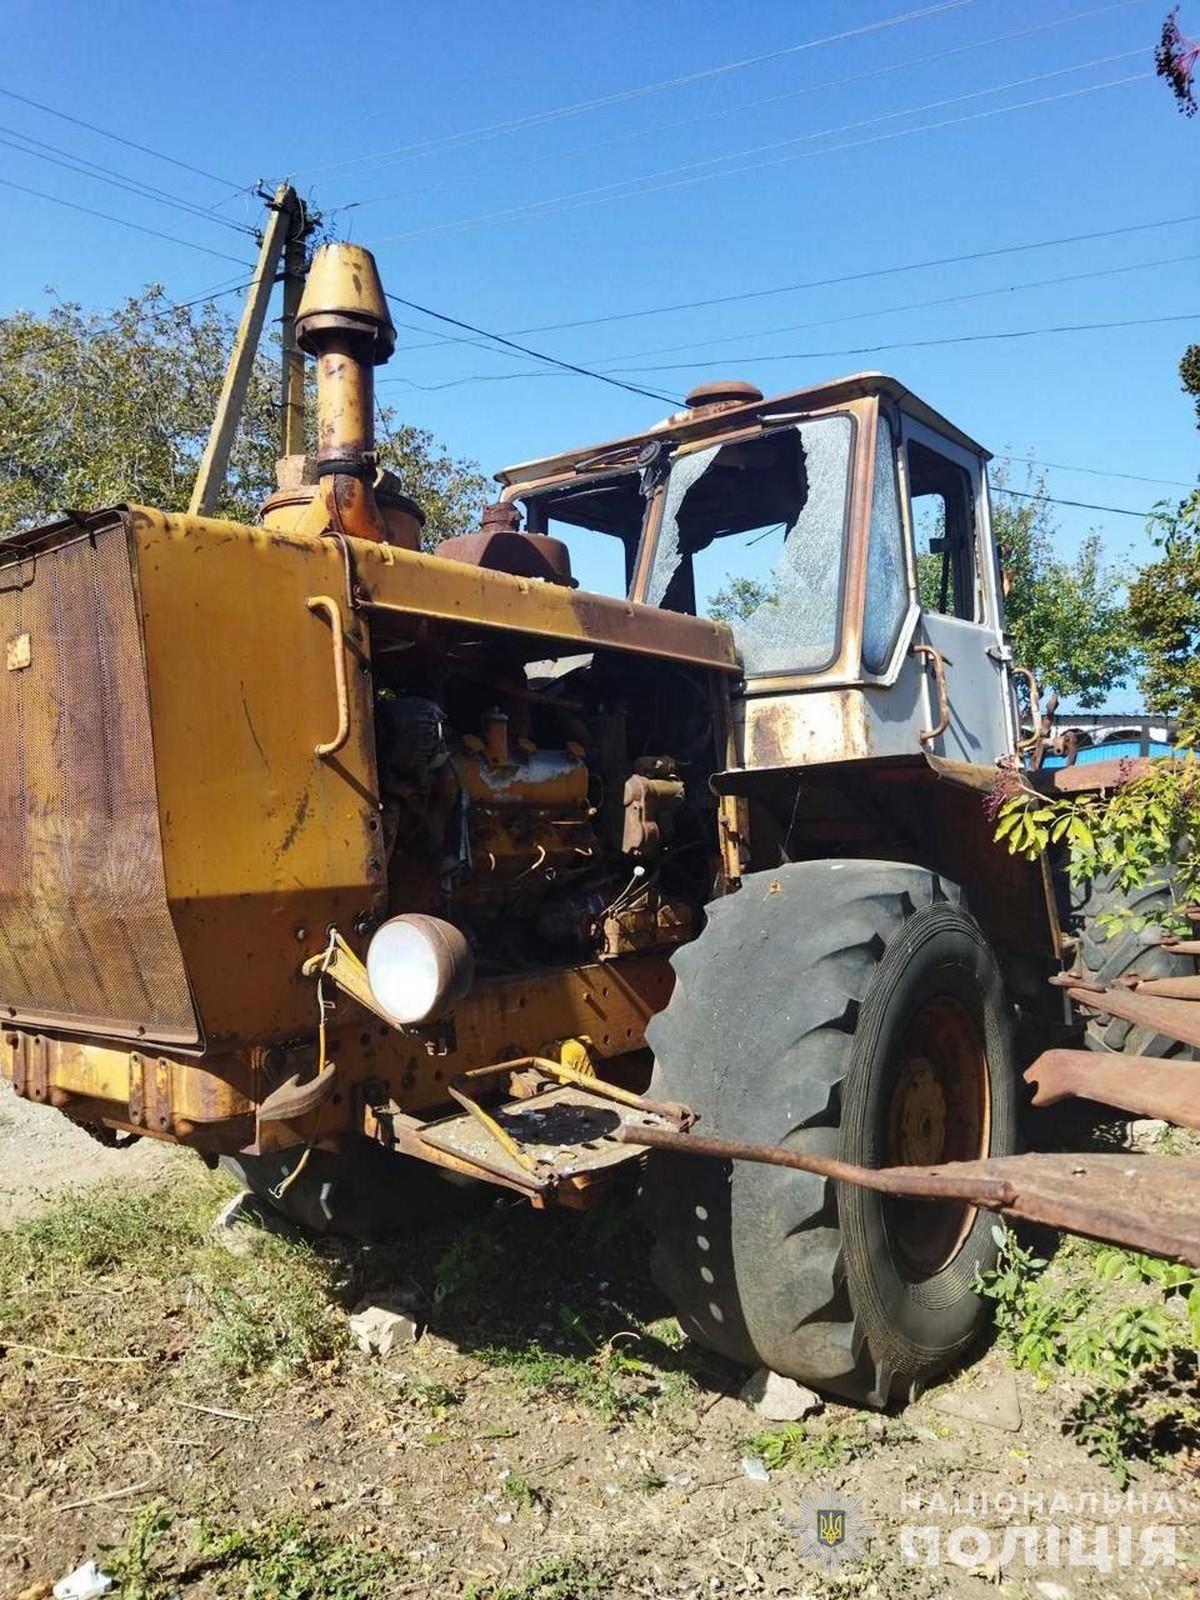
(695, 423)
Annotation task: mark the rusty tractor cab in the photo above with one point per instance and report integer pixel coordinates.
(315, 844)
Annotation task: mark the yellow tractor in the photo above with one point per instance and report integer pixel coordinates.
(346, 861)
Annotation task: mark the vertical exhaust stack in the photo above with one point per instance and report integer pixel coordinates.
(343, 322)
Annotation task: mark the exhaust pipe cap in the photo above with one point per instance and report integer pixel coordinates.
(343, 293)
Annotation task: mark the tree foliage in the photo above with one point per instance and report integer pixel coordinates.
(1146, 826)
(1068, 618)
(101, 407)
(1143, 830)
(1189, 375)
(1164, 609)
(1164, 603)
(738, 599)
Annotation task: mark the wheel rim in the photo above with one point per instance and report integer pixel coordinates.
(939, 1110)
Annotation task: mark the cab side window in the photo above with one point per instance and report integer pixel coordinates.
(943, 520)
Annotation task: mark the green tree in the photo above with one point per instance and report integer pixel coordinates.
(1068, 618)
(738, 599)
(1164, 602)
(1164, 610)
(100, 407)
(1147, 825)
(1189, 374)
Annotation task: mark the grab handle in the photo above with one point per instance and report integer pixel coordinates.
(329, 608)
(943, 694)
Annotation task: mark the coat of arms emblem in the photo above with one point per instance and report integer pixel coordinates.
(831, 1527)
(831, 1530)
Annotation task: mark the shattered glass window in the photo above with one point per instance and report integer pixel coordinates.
(752, 533)
(887, 580)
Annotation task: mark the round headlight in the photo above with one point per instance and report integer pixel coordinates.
(418, 968)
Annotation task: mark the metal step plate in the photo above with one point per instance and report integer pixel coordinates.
(565, 1132)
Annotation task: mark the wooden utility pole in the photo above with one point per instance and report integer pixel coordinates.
(291, 396)
(288, 226)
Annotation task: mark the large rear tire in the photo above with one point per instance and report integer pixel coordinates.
(1108, 953)
(851, 1008)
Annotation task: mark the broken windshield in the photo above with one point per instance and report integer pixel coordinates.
(752, 533)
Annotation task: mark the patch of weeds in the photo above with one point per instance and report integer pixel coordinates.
(133, 1564)
(432, 1396)
(667, 1332)
(265, 1310)
(1170, 1141)
(809, 1450)
(649, 1481)
(1149, 1417)
(522, 1492)
(106, 1229)
(292, 1560)
(269, 1311)
(1139, 1344)
(608, 1378)
(474, 1262)
(558, 1578)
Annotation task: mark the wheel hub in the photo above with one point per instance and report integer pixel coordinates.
(919, 1113)
(938, 1112)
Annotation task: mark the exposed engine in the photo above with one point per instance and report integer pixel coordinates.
(555, 813)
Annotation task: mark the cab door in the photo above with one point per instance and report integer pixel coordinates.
(961, 625)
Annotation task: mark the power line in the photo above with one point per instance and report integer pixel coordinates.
(911, 305)
(794, 356)
(1096, 472)
(613, 364)
(792, 94)
(537, 355)
(540, 118)
(604, 193)
(928, 344)
(1079, 505)
(853, 277)
(106, 216)
(101, 174)
(146, 150)
(217, 293)
(824, 283)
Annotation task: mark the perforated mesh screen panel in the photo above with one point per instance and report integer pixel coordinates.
(86, 939)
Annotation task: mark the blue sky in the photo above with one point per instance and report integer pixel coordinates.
(454, 138)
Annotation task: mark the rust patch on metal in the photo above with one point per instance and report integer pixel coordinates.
(1142, 1085)
(1094, 775)
(1186, 988)
(1179, 1018)
(1143, 1202)
(86, 938)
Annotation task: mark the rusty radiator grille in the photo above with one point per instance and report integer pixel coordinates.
(86, 938)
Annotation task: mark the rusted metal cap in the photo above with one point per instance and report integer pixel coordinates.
(500, 546)
(343, 293)
(723, 392)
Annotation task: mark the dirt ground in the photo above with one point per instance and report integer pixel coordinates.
(195, 1418)
(42, 1154)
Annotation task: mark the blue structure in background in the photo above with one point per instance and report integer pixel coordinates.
(1106, 737)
